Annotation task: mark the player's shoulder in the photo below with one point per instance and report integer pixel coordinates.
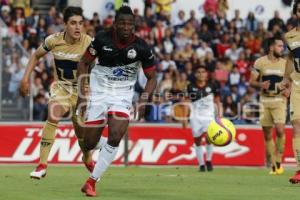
(141, 42)
(55, 37)
(260, 61)
(291, 34)
(86, 37)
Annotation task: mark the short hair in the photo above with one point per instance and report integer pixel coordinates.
(124, 10)
(271, 41)
(71, 11)
(201, 67)
(295, 6)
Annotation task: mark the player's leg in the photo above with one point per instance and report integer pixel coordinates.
(117, 129)
(55, 112)
(279, 117)
(296, 148)
(280, 142)
(270, 146)
(209, 155)
(266, 122)
(199, 153)
(196, 126)
(295, 117)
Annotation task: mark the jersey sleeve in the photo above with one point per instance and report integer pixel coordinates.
(257, 66)
(216, 90)
(94, 48)
(147, 58)
(49, 43)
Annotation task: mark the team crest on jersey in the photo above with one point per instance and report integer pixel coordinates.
(208, 89)
(131, 54)
(92, 51)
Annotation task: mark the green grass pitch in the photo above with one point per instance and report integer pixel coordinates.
(147, 183)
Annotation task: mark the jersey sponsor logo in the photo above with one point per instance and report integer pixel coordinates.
(105, 48)
(208, 89)
(92, 51)
(131, 54)
(66, 55)
(119, 72)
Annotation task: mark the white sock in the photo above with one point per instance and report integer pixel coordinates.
(209, 152)
(105, 158)
(199, 154)
(101, 143)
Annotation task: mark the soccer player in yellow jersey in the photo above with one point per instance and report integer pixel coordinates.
(291, 82)
(67, 48)
(267, 74)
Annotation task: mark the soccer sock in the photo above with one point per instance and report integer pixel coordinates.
(271, 150)
(296, 148)
(87, 157)
(199, 154)
(209, 152)
(280, 142)
(105, 158)
(101, 143)
(47, 141)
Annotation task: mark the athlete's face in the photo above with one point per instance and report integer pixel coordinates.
(124, 26)
(201, 74)
(278, 48)
(74, 26)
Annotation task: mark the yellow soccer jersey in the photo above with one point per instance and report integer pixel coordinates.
(293, 43)
(66, 56)
(270, 71)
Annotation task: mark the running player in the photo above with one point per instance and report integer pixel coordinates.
(120, 56)
(204, 95)
(267, 74)
(67, 48)
(292, 81)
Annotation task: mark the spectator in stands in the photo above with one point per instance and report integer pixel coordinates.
(40, 108)
(210, 6)
(238, 21)
(230, 108)
(209, 20)
(234, 76)
(276, 20)
(33, 20)
(5, 10)
(223, 6)
(251, 22)
(233, 52)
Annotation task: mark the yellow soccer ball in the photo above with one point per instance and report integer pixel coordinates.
(221, 132)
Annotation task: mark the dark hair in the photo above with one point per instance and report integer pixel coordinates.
(271, 41)
(71, 11)
(124, 10)
(201, 67)
(296, 2)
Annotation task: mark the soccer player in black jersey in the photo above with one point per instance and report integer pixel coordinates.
(120, 54)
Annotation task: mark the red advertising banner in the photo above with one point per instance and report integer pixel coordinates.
(148, 145)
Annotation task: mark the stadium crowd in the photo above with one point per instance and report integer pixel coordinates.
(227, 47)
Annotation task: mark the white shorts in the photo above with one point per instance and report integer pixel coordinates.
(107, 98)
(199, 126)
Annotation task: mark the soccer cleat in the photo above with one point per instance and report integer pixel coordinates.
(209, 166)
(39, 172)
(90, 166)
(202, 168)
(279, 170)
(272, 172)
(89, 188)
(296, 178)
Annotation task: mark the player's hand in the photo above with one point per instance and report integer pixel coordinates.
(285, 84)
(24, 87)
(286, 92)
(265, 85)
(81, 106)
(141, 111)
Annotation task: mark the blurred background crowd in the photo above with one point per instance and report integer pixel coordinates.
(227, 47)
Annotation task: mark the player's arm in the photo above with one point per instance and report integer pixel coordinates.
(254, 80)
(85, 62)
(219, 106)
(148, 91)
(285, 85)
(24, 84)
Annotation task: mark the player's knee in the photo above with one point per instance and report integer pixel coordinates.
(114, 140)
